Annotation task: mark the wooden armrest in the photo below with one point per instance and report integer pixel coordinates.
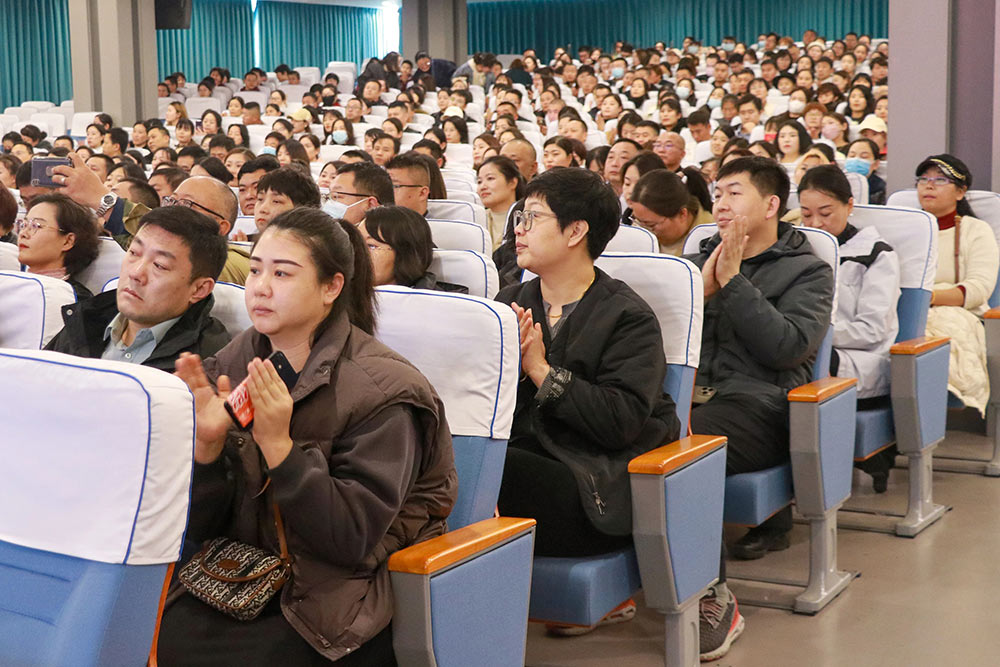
(820, 390)
(992, 314)
(668, 458)
(439, 552)
(919, 345)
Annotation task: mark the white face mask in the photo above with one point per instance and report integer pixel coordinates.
(682, 92)
(796, 106)
(338, 209)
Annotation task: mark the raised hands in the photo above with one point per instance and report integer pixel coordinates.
(272, 411)
(533, 361)
(209, 404)
(725, 261)
(80, 183)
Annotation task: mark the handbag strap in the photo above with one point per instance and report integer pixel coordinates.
(280, 525)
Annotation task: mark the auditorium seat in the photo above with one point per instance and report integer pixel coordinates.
(677, 490)
(86, 545)
(458, 235)
(81, 119)
(462, 598)
(196, 106)
(818, 475)
(459, 194)
(915, 420)
(56, 122)
(8, 257)
(31, 309)
(631, 238)
(474, 270)
(22, 113)
(108, 265)
(459, 154)
(446, 209)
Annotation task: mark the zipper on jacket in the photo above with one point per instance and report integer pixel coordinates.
(598, 501)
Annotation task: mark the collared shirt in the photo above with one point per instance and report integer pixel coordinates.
(141, 348)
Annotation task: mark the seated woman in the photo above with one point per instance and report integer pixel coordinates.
(863, 159)
(591, 396)
(966, 274)
(558, 152)
(670, 206)
(58, 238)
(793, 141)
(640, 165)
(354, 460)
(499, 184)
(399, 240)
(865, 324)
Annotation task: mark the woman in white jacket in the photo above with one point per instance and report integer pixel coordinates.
(865, 323)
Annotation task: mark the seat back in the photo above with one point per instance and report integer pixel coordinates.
(913, 235)
(468, 349)
(459, 154)
(230, 307)
(673, 289)
(448, 209)
(8, 257)
(99, 516)
(474, 270)
(631, 238)
(458, 235)
(196, 106)
(81, 119)
(108, 265)
(31, 309)
(859, 188)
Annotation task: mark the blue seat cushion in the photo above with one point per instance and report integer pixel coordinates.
(752, 497)
(874, 430)
(581, 591)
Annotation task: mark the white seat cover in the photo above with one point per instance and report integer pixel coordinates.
(464, 195)
(230, 307)
(107, 266)
(459, 154)
(8, 257)
(465, 267)
(460, 344)
(114, 482)
(985, 205)
(31, 310)
(448, 209)
(912, 233)
(859, 188)
(673, 289)
(630, 238)
(457, 235)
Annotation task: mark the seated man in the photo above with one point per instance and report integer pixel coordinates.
(411, 182)
(768, 302)
(282, 190)
(384, 148)
(591, 396)
(523, 153)
(210, 196)
(163, 303)
(356, 189)
(249, 175)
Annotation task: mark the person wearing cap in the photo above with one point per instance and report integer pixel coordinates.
(301, 119)
(968, 261)
(874, 128)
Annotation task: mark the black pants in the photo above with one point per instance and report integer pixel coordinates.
(192, 633)
(539, 487)
(758, 439)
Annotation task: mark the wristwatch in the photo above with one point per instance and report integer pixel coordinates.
(108, 202)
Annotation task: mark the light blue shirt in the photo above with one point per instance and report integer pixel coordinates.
(143, 345)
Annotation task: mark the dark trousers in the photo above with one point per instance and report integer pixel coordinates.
(540, 487)
(192, 633)
(758, 439)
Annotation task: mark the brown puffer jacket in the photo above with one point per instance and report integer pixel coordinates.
(372, 471)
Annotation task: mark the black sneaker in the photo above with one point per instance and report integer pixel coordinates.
(720, 624)
(758, 541)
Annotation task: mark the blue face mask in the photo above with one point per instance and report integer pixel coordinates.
(857, 165)
(728, 46)
(340, 136)
(760, 45)
(693, 50)
(268, 150)
(714, 103)
(617, 72)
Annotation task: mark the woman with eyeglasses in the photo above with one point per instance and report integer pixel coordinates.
(58, 238)
(968, 261)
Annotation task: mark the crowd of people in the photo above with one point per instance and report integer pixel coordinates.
(564, 153)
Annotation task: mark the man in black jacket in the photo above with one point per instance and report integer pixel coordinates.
(163, 303)
(768, 301)
(591, 398)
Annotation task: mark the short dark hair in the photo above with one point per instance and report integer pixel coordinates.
(749, 99)
(409, 160)
(8, 210)
(174, 175)
(580, 194)
(221, 140)
(828, 179)
(767, 176)
(207, 248)
(358, 153)
(216, 169)
(78, 220)
(372, 180)
(266, 162)
(119, 137)
(130, 169)
(196, 152)
(292, 183)
(409, 235)
(141, 192)
(699, 117)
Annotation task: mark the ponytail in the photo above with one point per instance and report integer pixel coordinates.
(361, 288)
(665, 193)
(697, 186)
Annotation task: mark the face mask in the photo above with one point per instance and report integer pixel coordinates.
(728, 46)
(328, 100)
(796, 106)
(617, 72)
(857, 165)
(760, 45)
(693, 50)
(682, 92)
(714, 103)
(268, 150)
(340, 136)
(770, 136)
(831, 132)
(338, 209)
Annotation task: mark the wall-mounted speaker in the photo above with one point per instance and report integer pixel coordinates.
(173, 14)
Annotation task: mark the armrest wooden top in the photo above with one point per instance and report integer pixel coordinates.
(668, 458)
(820, 390)
(439, 552)
(919, 345)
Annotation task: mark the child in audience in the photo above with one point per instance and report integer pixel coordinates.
(591, 396)
(354, 453)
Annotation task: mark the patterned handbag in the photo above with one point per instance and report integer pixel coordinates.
(236, 578)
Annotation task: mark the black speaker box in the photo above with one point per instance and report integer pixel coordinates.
(173, 14)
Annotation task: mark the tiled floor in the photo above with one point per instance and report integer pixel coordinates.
(923, 601)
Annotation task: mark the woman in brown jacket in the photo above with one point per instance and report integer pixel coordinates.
(356, 456)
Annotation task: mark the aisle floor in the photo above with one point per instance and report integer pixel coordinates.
(922, 601)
